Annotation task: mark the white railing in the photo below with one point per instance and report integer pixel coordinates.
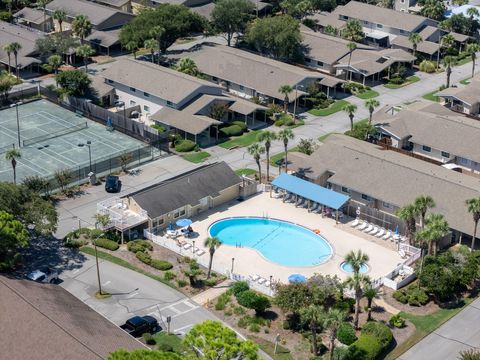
(413, 253)
(401, 270)
(121, 217)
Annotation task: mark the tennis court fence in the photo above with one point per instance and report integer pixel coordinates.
(55, 134)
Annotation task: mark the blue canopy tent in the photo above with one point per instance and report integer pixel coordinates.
(311, 191)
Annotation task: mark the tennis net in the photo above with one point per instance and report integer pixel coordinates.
(55, 134)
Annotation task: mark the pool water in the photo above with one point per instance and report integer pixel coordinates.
(279, 241)
(348, 268)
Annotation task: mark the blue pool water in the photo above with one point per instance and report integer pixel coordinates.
(348, 268)
(279, 241)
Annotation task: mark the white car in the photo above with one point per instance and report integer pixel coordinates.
(45, 275)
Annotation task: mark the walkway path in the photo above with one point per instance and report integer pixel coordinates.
(208, 295)
(388, 308)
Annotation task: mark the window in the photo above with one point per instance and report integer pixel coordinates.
(182, 212)
(366, 197)
(241, 87)
(160, 221)
(214, 78)
(170, 104)
(463, 161)
(386, 205)
(146, 108)
(445, 154)
(319, 63)
(403, 32)
(133, 89)
(365, 22)
(345, 190)
(307, 60)
(343, 17)
(379, 26)
(146, 94)
(132, 103)
(426, 148)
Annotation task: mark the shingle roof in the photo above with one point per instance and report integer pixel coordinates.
(428, 31)
(184, 120)
(104, 38)
(115, 3)
(380, 15)
(26, 37)
(43, 321)
(392, 177)
(250, 70)
(186, 189)
(460, 37)
(327, 19)
(427, 47)
(31, 15)
(157, 80)
(469, 94)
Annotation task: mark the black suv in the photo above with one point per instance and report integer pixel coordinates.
(112, 184)
(139, 325)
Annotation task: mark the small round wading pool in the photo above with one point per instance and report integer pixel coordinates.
(278, 241)
(348, 268)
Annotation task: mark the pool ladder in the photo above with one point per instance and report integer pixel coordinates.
(265, 215)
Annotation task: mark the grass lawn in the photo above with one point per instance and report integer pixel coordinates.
(332, 109)
(465, 81)
(430, 96)
(368, 94)
(245, 171)
(424, 325)
(464, 61)
(196, 157)
(410, 80)
(125, 264)
(246, 139)
(298, 122)
(269, 347)
(324, 137)
(172, 340)
(279, 156)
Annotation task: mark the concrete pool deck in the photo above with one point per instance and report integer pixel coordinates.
(342, 238)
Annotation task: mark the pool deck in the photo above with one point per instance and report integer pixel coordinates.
(342, 238)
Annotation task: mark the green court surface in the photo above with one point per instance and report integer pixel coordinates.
(42, 154)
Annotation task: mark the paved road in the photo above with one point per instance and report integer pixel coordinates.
(458, 334)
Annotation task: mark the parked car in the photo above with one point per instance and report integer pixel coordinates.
(112, 184)
(139, 325)
(44, 275)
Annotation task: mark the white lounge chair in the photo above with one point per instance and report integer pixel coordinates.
(355, 222)
(402, 254)
(380, 233)
(363, 226)
(374, 231)
(200, 252)
(396, 237)
(261, 280)
(387, 235)
(187, 246)
(267, 283)
(369, 228)
(254, 277)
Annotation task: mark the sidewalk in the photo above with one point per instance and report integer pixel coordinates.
(207, 296)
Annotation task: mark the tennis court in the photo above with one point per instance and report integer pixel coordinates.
(50, 136)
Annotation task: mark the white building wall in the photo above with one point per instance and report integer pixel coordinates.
(433, 154)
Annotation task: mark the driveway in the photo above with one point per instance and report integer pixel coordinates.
(458, 334)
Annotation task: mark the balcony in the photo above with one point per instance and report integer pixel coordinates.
(121, 216)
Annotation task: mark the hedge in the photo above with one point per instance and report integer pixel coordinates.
(411, 295)
(367, 347)
(250, 299)
(107, 244)
(239, 287)
(160, 264)
(232, 130)
(241, 124)
(144, 257)
(185, 146)
(346, 334)
(139, 245)
(379, 331)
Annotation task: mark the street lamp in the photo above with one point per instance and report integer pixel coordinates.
(89, 144)
(18, 121)
(295, 102)
(233, 261)
(96, 260)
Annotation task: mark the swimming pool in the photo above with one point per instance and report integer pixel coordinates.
(279, 241)
(348, 268)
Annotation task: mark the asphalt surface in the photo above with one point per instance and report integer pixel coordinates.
(458, 334)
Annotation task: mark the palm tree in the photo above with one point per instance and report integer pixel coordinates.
(157, 33)
(472, 12)
(415, 39)
(448, 62)
(81, 26)
(408, 214)
(370, 293)
(12, 155)
(433, 9)
(285, 135)
(371, 104)
(447, 40)
(132, 46)
(437, 227)
(350, 110)
(332, 321)
(55, 61)
(423, 203)
(351, 46)
(60, 15)
(187, 66)
(473, 207)
(313, 316)
(285, 90)
(8, 49)
(357, 282)
(256, 150)
(150, 44)
(267, 137)
(356, 260)
(43, 4)
(212, 243)
(472, 49)
(15, 48)
(85, 51)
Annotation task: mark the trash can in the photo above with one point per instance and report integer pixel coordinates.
(92, 177)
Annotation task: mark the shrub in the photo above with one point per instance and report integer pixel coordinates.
(144, 257)
(346, 334)
(427, 66)
(401, 296)
(254, 328)
(239, 287)
(165, 347)
(417, 297)
(340, 353)
(169, 275)
(107, 244)
(93, 233)
(239, 310)
(185, 146)
(243, 322)
(346, 305)
(232, 130)
(182, 283)
(6, 16)
(380, 332)
(397, 321)
(241, 124)
(397, 80)
(160, 264)
(159, 128)
(366, 348)
(210, 282)
(252, 300)
(139, 245)
(149, 340)
(220, 305)
(75, 243)
(228, 312)
(279, 122)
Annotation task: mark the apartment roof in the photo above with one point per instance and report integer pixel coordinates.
(460, 37)
(427, 47)
(104, 38)
(421, 125)
(31, 15)
(157, 80)
(391, 177)
(469, 94)
(115, 3)
(327, 19)
(96, 13)
(26, 37)
(250, 70)
(428, 31)
(43, 321)
(186, 189)
(380, 15)
(184, 120)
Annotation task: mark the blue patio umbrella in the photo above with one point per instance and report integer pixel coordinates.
(184, 222)
(297, 278)
(396, 230)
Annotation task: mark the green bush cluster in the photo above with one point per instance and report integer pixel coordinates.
(397, 321)
(380, 332)
(185, 145)
(149, 339)
(284, 120)
(241, 124)
(427, 66)
(107, 244)
(239, 287)
(159, 128)
(411, 295)
(6, 16)
(182, 283)
(144, 257)
(161, 264)
(75, 243)
(374, 340)
(250, 299)
(355, 88)
(210, 282)
(169, 275)
(346, 334)
(139, 245)
(232, 130)
(222, 301)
